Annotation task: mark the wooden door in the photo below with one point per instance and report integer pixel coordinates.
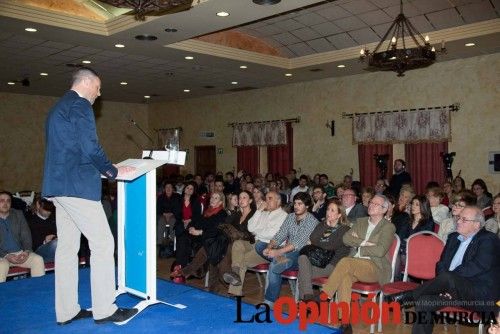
(205, 160)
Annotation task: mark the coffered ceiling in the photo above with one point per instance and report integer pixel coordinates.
(305, 38)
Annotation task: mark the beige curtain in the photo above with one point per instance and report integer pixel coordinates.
(403, 126)
(259, 134)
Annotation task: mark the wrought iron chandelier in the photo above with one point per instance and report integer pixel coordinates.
(398, 56)
(155, 7)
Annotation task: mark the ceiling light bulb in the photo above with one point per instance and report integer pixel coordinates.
(222, 14)
(234, 82)
(427, 39)
(187, 90)
(11, 83)
(362, 52)
(341, 66)
(470, 44)
(243, 66)
(433, 49)
(393, 40)
(119, 46)
(43, 74)
(147, 96)
(123, 83)
(392, 58)
(288, 74)
(29, 29)
(86, 61)
(189, 57)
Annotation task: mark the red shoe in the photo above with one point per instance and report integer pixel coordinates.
(177, 276)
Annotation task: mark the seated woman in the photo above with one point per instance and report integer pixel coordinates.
(449, 225)
(493, 224)
(207, 229)
(483, 196)
(400, 215)
(327, 235)
(439, 211)
(420, 220)
(259, 198)
(42, 224)
(367, 194)
(231, 204)
(191, 213)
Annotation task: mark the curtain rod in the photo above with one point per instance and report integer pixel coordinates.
(288, 120)
(452, 107)
(176, 128)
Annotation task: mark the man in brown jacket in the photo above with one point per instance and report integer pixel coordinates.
(371, 237)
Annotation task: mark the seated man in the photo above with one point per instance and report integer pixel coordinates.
(467, 273)
(42, 224)
(15, 241)
(319, 199)
(353, 210)
(264, 225)
(372, 237)
(295, 230)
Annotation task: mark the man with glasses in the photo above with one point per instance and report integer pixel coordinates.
(467, 275)
(319, 200)
(353, 210)
(372, 238)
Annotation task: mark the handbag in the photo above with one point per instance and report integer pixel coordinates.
(319, 257)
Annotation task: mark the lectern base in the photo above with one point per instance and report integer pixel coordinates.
(145, 303)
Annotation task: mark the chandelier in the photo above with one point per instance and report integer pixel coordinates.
(157, 7)
(399, 56)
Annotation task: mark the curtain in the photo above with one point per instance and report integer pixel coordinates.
(248, 159)
(399, 126)
(424, 163)
(260, 133)
(280, 158)
(368, 171)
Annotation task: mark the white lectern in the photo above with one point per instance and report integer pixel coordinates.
(137, 232)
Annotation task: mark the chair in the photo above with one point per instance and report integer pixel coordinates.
(423, 250)
(375, 288)
(292, 277)
(28, 196)
(371, 288)
(260, 269)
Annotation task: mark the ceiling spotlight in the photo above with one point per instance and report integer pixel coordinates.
(288, 74)
(123, 83)
(341, 66)
(43, 74)
(243, 66)
(147, 96)
(222, 14)
(266, 2)
(187, 90)
(11, 83)
(234, 82)
(189, 57)
(470, 44)
(119, 46)
(86, 61)
(30, 29)
(170, 30)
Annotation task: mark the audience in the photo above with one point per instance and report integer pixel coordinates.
(353, 209)
(301, 187)
(284, 248)
(15, 241)
(42, 224)
(399, 178)
(493, 224)
(319, 202)
(168, 211)
(481, 191)
(327, 236)
(449, 225)
(439, 211)
(420, 220)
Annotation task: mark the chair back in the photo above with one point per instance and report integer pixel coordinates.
(423, 250)
(392, 254)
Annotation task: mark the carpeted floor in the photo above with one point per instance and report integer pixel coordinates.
(27, 306)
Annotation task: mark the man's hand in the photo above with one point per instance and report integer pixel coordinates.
(49, 238)
(17, 258)
(354, 234)
(124, 170)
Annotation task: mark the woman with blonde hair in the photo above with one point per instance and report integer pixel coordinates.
(325, 248)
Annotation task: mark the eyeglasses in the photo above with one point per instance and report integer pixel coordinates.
(376, 204)
(466, 220)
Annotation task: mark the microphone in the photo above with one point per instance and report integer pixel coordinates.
(147, 136)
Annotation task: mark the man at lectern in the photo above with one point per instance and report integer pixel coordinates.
(74, 162)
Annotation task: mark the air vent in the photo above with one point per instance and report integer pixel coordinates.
(74, 65)
(208, 87)
(316, 70)
(240, 89)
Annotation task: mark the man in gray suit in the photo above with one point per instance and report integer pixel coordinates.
(15, 241)
(353, 210)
